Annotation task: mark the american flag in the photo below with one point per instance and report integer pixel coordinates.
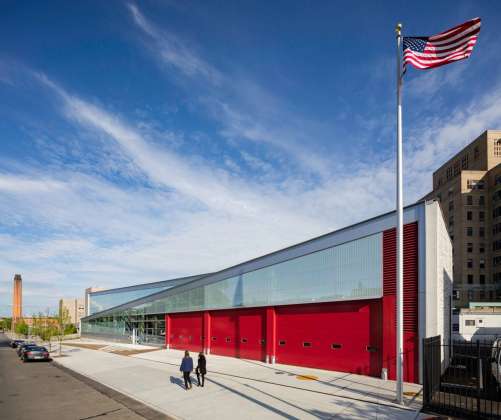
(426, 52)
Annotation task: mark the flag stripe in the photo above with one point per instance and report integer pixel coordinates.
(428, 56)
(452, 45)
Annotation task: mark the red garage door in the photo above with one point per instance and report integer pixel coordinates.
(336, 336)
(239, 333)
(186, 331)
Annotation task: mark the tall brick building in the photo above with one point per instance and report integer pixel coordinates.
(468, 187)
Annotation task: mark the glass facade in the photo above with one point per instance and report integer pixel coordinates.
(352, 270)
(102, 301)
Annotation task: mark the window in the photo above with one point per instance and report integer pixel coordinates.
(470, 294)
(469, 322)
(451, 205)
(449, 172)
(371, 349)
(481, 216)
(335, 346)
(481, 200)
(481, 231)
(464, 162)
(481, 248)
(469, 247)
(455, 327)
(306, 344)
(455, 295)
(469, 231)
(470, 278)
(456, 168)
(496, 261)
(471, 183)
(496, 228)
(481, 278)
(469, 200)
(481, 295)
(469, 215)
(244, 340)
(497, 147)
(281, 343)
(496, 212)
(469, 263)
(213, 338)
(228, 339)
(496, 245)
(481, 263)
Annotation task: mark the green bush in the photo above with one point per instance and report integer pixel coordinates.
(22, 328)
(70, 329)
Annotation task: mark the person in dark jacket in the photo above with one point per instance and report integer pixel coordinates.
(187, 367)
(201, 369)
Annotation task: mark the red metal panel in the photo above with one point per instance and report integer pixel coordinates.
(410, 297)
(167, 331)
(186, 331)
(239, 333)
(342, 336)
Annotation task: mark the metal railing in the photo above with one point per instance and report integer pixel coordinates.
(462, 378)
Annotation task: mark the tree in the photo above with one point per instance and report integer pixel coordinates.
(22, 328)
(63, 320)
(6, 323)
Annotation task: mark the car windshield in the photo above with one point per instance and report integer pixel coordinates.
(38, 349)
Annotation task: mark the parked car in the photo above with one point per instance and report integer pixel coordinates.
(496, 361)
(22, 348)
(15, 343)
(35, 353)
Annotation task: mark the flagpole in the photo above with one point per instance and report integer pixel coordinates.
(400, 224)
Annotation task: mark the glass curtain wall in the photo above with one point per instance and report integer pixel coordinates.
(352, 270)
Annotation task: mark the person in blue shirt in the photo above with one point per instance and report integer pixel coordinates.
(187, 368)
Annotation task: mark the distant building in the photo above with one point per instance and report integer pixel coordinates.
(17, 299)
(468, 187)
(75, 308)
(481, 321)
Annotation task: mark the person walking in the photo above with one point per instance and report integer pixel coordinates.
(201, 369)
(187, 367)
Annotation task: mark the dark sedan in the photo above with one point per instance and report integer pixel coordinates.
(22, 348)
(36, 353)
(15, 343)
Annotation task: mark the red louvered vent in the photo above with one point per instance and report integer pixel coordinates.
(410, 271)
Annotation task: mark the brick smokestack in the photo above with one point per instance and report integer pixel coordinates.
(17, 299)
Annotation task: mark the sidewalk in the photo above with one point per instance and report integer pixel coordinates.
(236, 388)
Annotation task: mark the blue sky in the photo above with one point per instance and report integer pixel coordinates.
(142, 141)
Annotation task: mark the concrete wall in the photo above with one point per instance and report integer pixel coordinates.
(436, 292)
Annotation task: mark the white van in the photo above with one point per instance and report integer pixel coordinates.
(496, 361)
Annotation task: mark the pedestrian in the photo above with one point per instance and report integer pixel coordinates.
(187, 368)
(201, 369)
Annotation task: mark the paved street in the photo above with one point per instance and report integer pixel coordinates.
(42, 391)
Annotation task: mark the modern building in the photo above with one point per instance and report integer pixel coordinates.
(75, 308)
(468, 187)
(88, 292)
(97, 299)
(17, 299)
(327, 303)
(481, 321)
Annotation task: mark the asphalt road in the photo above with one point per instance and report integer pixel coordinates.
(43, 391)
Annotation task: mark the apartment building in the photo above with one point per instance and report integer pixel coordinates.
(468, 187)
(75, 308)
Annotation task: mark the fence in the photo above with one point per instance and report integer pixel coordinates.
(464, 383)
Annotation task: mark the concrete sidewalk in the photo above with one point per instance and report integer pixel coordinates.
(238, 388)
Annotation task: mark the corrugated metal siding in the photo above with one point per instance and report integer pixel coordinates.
(410, 271)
